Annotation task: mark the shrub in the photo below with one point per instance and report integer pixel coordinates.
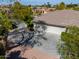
(76, 8)
(2, 57)
(69, 43)
(2, 49)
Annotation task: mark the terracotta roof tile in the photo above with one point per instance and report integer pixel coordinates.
(60, 18)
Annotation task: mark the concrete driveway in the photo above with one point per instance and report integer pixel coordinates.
(47, 48)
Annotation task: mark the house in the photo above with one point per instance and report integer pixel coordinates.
(57, 21)
(43, 10)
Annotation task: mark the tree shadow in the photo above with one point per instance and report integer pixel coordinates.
(33, 37)
(15, 55)
(39, 33)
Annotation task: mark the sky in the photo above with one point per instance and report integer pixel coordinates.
(39, 2)
(53, 2)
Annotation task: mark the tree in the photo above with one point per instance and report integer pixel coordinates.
(5, 27)
(23, 13)
(61, 6)
(76, 8)
(71, 5)
(2, 50)
(48, 4)
(69, 43)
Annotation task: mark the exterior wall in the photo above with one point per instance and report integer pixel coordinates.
(55, 30)
(43, 10)
(51, 29)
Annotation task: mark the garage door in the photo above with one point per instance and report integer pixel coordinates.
(54, 30)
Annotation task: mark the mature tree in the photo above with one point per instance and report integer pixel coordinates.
(69, 43)
(48, 4)
(2, 51)
(76, 8)
(71, 5)
(5, 27)
(61, 6)
(23, 13)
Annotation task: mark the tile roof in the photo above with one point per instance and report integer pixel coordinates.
(60, 18)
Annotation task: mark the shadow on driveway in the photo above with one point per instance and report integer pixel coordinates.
(15, 55)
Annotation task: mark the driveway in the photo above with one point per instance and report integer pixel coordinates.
(47, 49)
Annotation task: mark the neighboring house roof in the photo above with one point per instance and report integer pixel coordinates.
(60, 18)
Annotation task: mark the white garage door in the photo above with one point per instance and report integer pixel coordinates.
(54, 30)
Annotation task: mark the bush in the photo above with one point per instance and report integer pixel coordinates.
(2, 50)
(61, 6)
(69, 43)
(2, 57)
(76, 8)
